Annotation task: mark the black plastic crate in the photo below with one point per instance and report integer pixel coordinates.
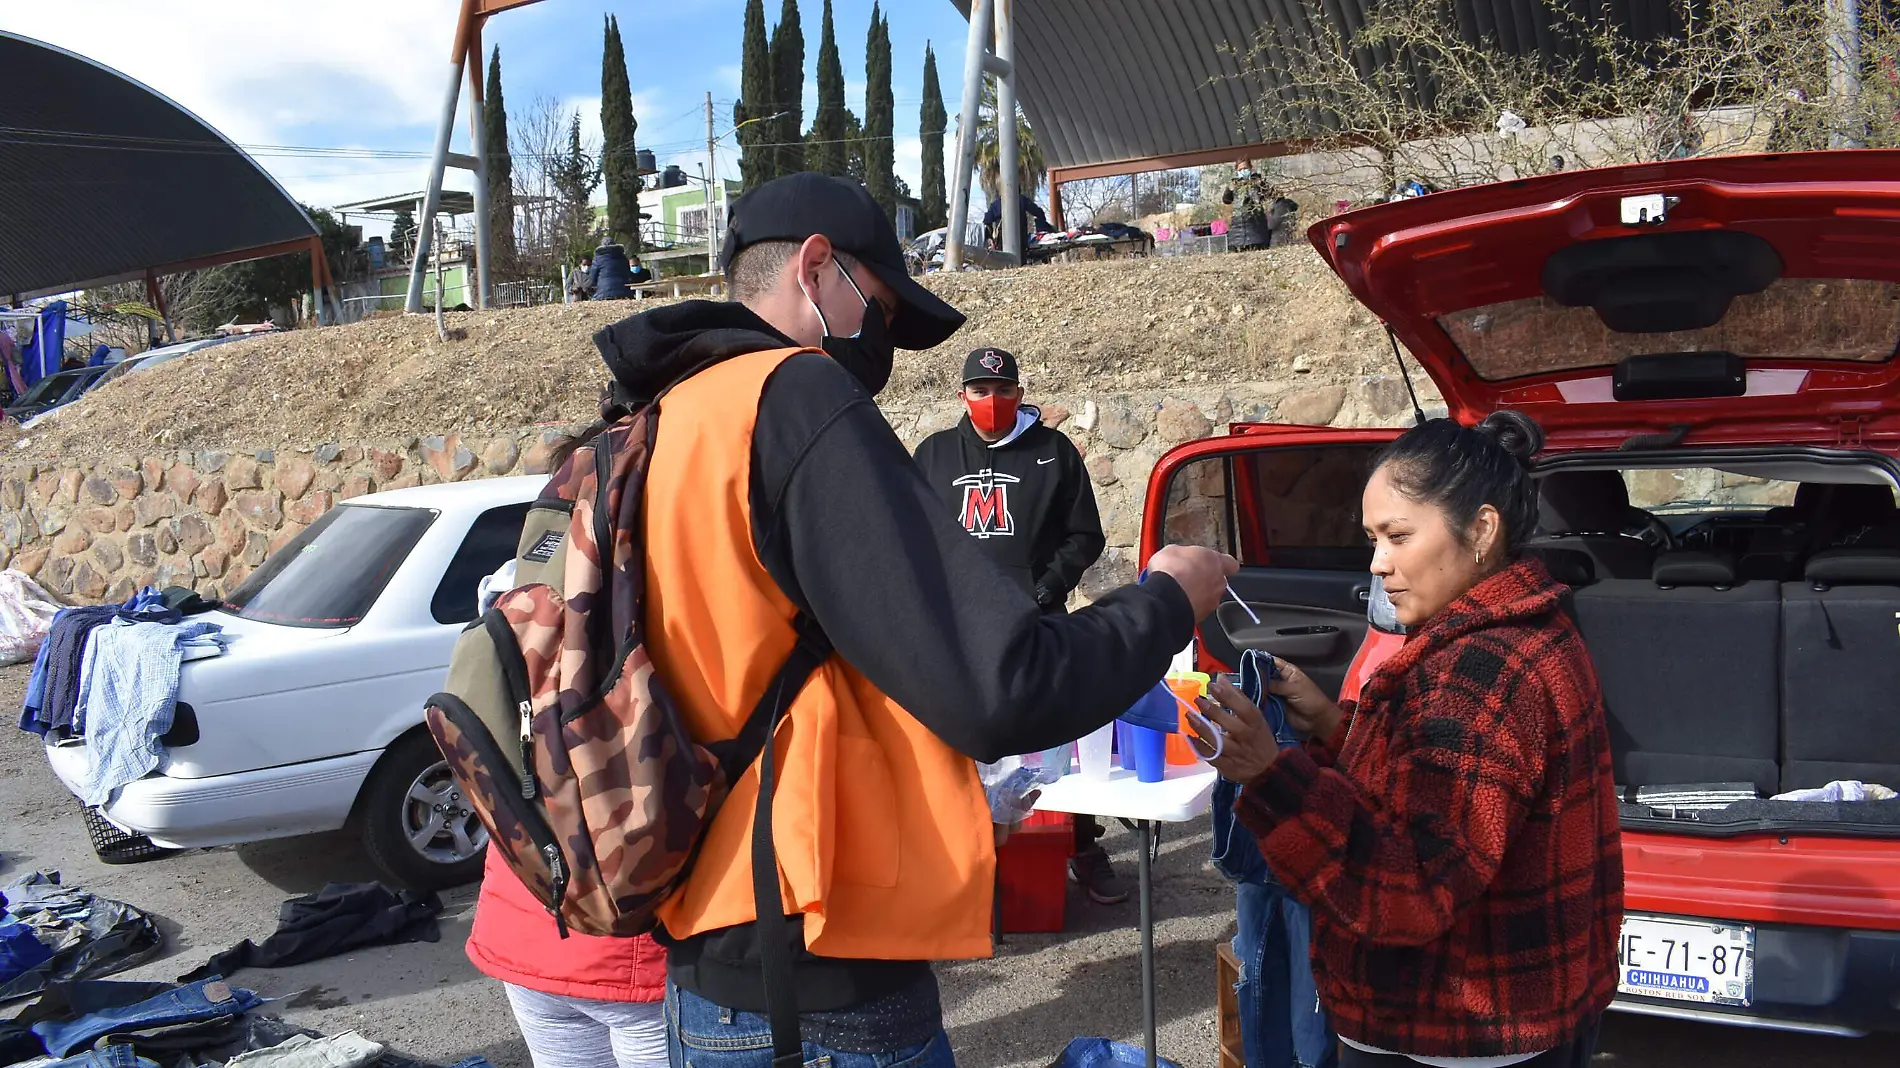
(114, 846)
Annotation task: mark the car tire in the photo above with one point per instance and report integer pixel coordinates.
(403, 804)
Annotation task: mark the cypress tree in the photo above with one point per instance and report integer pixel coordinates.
(880, 161)
(501, 173)
(828, 153)
(619, 158)
(788, 89)
(931, 124)
(855, 164)
(399, 236)
(758, 162)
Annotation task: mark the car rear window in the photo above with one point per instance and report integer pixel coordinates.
(491, 542)
(332, 573)
(1853, 320)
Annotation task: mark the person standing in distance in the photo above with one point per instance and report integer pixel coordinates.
(1019, 488)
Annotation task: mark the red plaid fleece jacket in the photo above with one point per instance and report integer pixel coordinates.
(1461, 851)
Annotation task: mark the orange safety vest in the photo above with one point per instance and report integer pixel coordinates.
(883, 834)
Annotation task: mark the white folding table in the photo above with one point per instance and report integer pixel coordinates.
(1185, 794)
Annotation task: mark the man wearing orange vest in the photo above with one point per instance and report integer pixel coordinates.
(778, 498)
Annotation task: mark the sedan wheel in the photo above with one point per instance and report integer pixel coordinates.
(419, 828)
(439, 821)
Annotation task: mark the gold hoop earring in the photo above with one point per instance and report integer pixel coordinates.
(1478, 558)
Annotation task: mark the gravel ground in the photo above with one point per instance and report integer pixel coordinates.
(1015, 1011)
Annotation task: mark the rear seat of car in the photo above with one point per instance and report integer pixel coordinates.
(1840, 684)
(1689, 663)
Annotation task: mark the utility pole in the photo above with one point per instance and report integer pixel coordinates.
(706, 179)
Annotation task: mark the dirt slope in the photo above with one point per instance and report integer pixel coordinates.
(1109, 326)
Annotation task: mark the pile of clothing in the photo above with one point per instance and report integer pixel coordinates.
(57, 942)
(109, 674)
(51, 933)
(103, 1024)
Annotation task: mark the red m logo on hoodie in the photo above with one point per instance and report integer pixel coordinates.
(986, 504)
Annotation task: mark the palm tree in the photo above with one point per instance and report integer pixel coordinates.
(1031, 167)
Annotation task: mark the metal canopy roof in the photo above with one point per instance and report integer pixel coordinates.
(454, 202)
(104, 180)
(1106, 81)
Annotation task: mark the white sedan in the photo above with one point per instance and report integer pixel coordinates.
(311, 720)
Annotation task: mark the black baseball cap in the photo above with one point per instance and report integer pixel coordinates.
(797, 206)
(992, 363)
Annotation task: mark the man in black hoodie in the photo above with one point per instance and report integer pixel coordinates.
(846, 527)
(1020, 490)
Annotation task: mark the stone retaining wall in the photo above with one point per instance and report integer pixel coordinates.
(98, 528)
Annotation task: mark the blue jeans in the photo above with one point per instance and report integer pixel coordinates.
(1282, 1024)
(210, 999)
(700, 1034)
(110, 1057)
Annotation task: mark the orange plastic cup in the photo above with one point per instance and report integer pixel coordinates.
(1186, 687)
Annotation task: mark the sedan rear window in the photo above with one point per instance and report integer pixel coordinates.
(332, 573)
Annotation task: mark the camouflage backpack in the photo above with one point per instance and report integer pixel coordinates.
(558, 731)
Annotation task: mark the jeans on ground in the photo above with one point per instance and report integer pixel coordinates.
(109, 1057)
(701, 1034)
(207, 1000)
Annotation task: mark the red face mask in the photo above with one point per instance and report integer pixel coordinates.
(993, 414)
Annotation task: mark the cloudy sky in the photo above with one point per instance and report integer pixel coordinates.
(339, 99)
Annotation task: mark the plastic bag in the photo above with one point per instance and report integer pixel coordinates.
(26, 615)
(1007, 785)
(1102, 1053)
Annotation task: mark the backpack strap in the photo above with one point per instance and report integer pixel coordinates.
(773, 928)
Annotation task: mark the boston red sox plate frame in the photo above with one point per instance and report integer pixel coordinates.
(1701, 961)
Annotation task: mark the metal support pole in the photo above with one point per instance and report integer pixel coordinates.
(439, 160)
(432, 202)
(478, 132)
(1055, 204)
(1843, 74)
(1147, 939)
(1007, 148)
(707, 178)
(441, 327)
(977, 48)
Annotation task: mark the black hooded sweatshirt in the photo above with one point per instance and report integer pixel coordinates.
(1026, 500)
(845, 523)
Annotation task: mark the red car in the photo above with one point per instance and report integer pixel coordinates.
(1710, 346)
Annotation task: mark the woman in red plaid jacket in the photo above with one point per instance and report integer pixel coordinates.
(1454, 830)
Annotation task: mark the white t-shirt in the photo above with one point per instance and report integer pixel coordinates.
(1449, 1062)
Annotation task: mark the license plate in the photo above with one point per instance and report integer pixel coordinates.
(1686, 960)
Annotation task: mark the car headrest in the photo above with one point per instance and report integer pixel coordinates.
(1582, 502)
(1851, 567)
(1572, 567)
(1690, 568)
(1854, 504)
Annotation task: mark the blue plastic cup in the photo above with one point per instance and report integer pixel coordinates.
(1146, 750)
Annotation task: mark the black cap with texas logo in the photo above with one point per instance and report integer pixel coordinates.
(990, 363)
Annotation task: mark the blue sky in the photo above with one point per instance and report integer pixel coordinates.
(368, 76)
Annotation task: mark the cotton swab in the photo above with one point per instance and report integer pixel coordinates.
(1244, 606)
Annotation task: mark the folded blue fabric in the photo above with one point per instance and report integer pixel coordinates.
(1256, 669)
(20, 950)
(211, 999)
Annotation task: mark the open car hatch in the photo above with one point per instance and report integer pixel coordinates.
(1711, 298)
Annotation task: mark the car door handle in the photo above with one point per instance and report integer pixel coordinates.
(1362, 594)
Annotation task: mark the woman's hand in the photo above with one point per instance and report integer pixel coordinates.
(1248, 748)
(1307, 707)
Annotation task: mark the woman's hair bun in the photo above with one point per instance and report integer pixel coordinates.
(1515, 432)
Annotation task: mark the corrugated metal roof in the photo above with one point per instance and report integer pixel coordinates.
(1108, 80)
(101, 177)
